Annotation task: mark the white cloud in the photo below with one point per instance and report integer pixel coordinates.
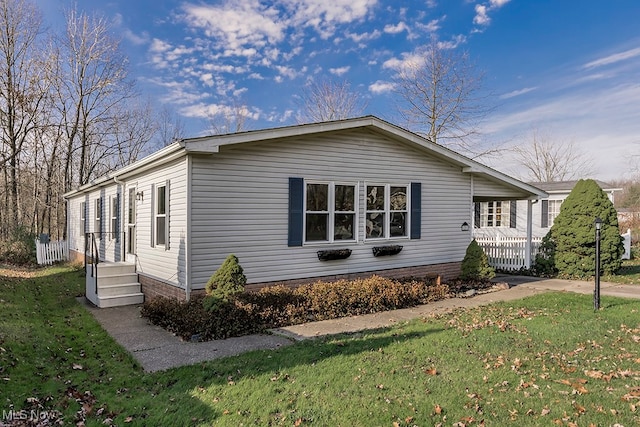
(237, 25)
(612, 59)
(324, 15)
(381, 87)
(517, 92)
(408, 60)
(482, 11)
(205, 111)
(339, 71)
(364, 36)
(481, 17)
(431, 26)
(158, 45)
(395, 29)
(453, 43)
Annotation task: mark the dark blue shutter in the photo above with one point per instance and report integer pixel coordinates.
(416, 209)
(296, 210)
(545, 214)
(513, 213)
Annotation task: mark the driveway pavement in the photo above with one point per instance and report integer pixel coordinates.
(157, 350)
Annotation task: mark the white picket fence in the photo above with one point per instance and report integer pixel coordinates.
(48, 253)
(508, 253)
(626, 241)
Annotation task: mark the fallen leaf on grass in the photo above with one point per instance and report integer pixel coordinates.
(576, 384)
(431, 371)
(633, 394)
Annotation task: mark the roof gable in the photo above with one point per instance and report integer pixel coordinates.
(213, 144)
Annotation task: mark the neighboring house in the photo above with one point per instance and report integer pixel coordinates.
(287, 202)
(508, 218)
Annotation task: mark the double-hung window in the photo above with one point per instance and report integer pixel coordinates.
(114, 217)
(83, 217)
(97, 223)
(330, 212)
(387, 212)
(161, 215)
(554, 210)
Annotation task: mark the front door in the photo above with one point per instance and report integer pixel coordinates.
(131, 225)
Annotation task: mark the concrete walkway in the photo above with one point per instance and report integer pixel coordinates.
(156, 349)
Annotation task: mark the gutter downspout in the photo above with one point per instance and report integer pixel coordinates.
(187, 255)
(527, 248)
(120, 214)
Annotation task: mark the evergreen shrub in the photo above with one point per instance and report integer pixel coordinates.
(475, 265)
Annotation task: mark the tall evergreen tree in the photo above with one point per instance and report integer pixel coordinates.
(573, 232)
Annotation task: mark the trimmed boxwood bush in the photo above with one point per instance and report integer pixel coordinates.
(475, 265)
(253, 312)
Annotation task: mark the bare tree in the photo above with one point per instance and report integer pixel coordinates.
(22, 91)
(229, 119)
(439, 92)
(327, 100)
(169, 127)
(547, 160)
(93, 85)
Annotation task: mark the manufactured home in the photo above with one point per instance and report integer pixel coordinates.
(295, 204)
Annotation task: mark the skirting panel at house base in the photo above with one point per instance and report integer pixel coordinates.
(76, 257)
(152, 288)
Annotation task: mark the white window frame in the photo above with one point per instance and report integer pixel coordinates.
(331, 212)
(97, 221)
(488, 210)
(113, 216)
(388, 211)
(83, 217)
(157, 215)
(553, 213)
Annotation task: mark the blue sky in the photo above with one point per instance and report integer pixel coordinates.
(567, 68)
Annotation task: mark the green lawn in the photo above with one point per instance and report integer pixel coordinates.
(545, 360)
(628, 274)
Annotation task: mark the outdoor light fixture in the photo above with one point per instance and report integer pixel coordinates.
(596, 294)
(464, 226)
(140, 196)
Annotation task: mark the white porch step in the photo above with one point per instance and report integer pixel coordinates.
(118, 289)
(116, 279)
(115, 268)
(118, 300)
(117, 285)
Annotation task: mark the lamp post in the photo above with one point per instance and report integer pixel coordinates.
(596, 295)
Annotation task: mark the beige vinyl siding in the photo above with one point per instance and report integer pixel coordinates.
(168, 265)
(240, 205)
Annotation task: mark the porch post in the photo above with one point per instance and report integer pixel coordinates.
(527, 248)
